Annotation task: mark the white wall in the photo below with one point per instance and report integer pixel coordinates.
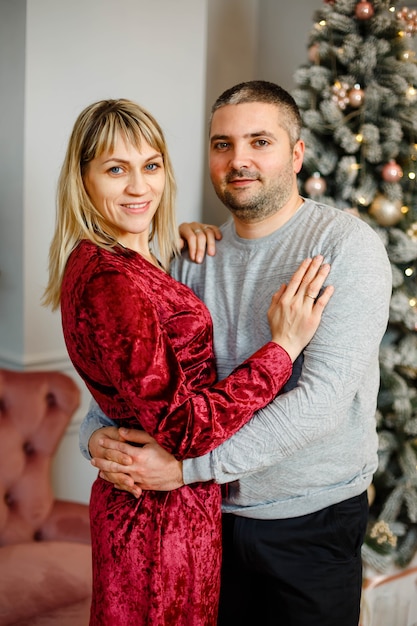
(175, 57)
(55, 58)
(283, 35)
(78, 52)
(232, 44)
(12, 66)
(247, 40)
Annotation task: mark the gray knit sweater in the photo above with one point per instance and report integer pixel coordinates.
(316, 443)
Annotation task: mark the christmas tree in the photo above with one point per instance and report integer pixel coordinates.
(358, 97)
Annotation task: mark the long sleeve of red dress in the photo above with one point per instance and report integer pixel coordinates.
(143, 344)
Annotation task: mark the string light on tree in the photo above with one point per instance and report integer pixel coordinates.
(319, 26)
(411, 94)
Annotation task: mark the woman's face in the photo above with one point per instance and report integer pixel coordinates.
(126, 187)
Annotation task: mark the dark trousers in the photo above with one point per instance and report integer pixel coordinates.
(303, 571)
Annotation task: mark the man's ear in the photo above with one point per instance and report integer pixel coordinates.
(298, 155)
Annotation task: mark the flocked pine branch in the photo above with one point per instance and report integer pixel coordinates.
(357, 93)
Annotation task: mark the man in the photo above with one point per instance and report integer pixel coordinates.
(295, 504)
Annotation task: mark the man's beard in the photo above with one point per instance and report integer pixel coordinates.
(267, 201)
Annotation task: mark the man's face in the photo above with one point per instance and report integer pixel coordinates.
(252, 165)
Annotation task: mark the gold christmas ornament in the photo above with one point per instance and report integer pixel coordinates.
(407, 55)
(385, 211)
(412, 231)
(383, 534)
(371, 494)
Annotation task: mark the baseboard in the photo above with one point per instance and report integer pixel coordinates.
(58, 360)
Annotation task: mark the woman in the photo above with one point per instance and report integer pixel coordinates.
(142, 343)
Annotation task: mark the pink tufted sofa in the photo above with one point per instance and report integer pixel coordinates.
(45, 558)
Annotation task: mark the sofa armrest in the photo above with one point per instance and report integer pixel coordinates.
(68, 521)
(38, 577)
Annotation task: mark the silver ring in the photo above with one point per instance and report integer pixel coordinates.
(197, 230)
(206, 227)
(312, 297)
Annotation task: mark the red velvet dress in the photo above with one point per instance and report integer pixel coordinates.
(142, 343)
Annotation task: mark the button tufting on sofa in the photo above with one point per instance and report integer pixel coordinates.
(28, 448)
(45, 552)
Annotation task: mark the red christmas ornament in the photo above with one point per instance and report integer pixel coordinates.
(392, 172)
(329, 1)
(364, 10)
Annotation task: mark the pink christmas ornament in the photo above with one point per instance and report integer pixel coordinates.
(313, 53)
(353, 210)
(364, 10)
(315, 185)
(392, 172)
(356, 95)
(340, 94)
(408, 18)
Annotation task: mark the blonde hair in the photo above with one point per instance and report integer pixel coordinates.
(95, 132)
